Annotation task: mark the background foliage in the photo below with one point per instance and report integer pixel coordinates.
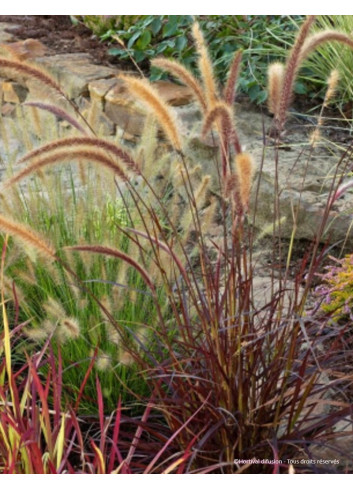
(263, 39)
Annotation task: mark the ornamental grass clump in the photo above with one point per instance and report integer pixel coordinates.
(233, 372)
(282, 77)
(43, 432)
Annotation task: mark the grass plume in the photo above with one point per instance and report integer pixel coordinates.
(245, 170)
(219, 111)
(227, 131)
(275, 85)
(150, 97)
(205, 66)
(95, 143)
(28, 71)
(58, 112)
(315, 40)
(27, 236)
(107, 251)
(229, 89)
(291, 69)
(332, 83)
(180, 72)
(56, 158)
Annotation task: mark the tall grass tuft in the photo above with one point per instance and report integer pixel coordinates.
(42, 433)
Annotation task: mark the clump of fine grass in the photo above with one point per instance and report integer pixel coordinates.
(53, 205)
(282, 78)
(333, 55)
(39, 284)
(43, 433)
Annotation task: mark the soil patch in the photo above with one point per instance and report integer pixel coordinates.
(59, 34)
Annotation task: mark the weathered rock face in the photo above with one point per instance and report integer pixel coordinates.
(99, 89)
(74, 71)
(302, 181)
(128, 113)
(13, 92)
(302, 176)
(6, 36)
(24, 50)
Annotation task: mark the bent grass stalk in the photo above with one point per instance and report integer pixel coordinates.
(73, 142)
(150, 97)
(28, 71)
(89, 155)
(180, 72)
(205, 67)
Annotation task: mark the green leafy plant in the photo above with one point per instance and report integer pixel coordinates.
(99, 24)
(152, 35)
(261, 38)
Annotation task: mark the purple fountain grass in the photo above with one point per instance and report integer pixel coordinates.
(56, 158)
(95, 143)
(291, 69)
(58, 112)
(229, 90)
(231, 376)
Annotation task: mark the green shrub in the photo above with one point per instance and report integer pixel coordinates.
(99, 24)
(262, 39)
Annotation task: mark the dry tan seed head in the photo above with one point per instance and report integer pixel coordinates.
(275, 84)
